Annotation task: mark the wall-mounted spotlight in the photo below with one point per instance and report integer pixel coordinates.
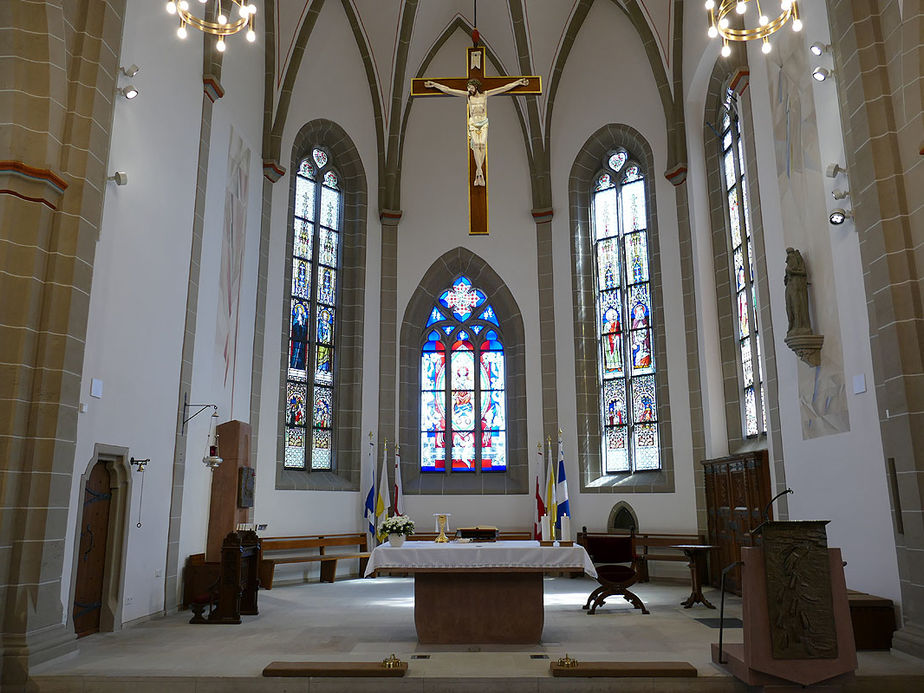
(119, 178)
(839, 216)
(820, 74)
(818, 48)
(839, 194)
(833, 169)
(129, 71)
(129, 91)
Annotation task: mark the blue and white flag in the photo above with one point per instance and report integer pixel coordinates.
(561, 487)
(369, 514)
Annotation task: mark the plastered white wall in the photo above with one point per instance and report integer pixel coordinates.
(138, 297)
(240, 110)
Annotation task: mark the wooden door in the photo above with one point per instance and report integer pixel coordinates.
(91, 557)
(737, 491)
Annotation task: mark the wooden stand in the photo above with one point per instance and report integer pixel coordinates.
(625, 669)
(349, 669)
(224, 515)
(236, 590)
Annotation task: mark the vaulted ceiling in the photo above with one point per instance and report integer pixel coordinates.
(397, 40)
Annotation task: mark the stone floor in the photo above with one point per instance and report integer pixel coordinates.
(367, 620)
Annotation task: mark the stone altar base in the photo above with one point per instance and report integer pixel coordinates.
(752, 662)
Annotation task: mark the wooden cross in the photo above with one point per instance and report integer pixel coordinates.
(477, 194)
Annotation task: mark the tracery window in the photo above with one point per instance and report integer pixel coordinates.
(738, 222)
(312, 308)
(626, 371)
(463, 405)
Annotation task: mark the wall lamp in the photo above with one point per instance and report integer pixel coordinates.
(839, 194)
(839, 216)
(833, 169)
(129, 71)
(119, 178)
(820, 74)
(818, 48)
(129, 91)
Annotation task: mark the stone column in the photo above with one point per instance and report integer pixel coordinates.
(388, 329)
(58, 68)
(878, 55)
(212, 91)
(546, 273)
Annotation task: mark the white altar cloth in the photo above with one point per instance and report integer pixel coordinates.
(421, 555)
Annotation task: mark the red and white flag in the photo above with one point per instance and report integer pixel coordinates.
(540, 506)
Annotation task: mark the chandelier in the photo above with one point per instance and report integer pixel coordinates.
(223, 26)
(720, 25)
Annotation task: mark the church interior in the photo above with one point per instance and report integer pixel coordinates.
(252, 280)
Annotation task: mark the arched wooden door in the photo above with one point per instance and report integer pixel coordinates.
(91, 559)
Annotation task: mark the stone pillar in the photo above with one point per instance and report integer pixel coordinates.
(59, 65)
(388, 328)
(212, 91)
(878, 55)
(546, 273)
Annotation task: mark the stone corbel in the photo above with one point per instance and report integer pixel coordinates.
(807, 347)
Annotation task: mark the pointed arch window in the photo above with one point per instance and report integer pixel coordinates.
(312, 310)
(738, 223)
(463, 403)
(624, 317)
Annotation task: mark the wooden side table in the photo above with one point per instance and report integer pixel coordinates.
(696, 553)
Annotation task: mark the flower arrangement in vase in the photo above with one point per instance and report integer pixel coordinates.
(398, 528)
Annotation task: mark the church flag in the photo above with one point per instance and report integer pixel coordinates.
(540, 506)
(561, 488)
(383, 500)
(369, 513)
(399, 488)
(550, 504)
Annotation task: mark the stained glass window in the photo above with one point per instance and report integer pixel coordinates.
(463, 385)
(738, 217)
(625, 321)
(312, 315)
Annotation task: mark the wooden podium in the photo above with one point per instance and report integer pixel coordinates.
(224, 513)
(796, 616)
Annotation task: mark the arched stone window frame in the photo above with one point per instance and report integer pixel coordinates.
(722, 81)
(346, 455)
(584, 172)
(441, 274)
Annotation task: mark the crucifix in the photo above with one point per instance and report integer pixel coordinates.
(476, 88)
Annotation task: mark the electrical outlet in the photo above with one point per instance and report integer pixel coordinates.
(158, 572)
(129, 600)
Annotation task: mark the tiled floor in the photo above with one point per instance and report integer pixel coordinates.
(366, 620)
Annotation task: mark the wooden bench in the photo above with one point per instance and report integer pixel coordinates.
(284, 550)
(661, 543)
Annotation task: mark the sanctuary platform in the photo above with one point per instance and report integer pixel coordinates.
(368, 619)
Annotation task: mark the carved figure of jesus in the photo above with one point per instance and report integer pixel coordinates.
(477, 115)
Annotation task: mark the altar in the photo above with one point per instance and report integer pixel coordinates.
(488, 592)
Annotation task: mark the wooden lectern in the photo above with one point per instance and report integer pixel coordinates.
(794, 607)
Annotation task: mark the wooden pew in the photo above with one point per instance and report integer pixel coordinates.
(661, 543)
(301, 549)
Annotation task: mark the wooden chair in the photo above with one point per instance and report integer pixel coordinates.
(617, 568)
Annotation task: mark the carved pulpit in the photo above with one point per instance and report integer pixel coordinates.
(794, 608)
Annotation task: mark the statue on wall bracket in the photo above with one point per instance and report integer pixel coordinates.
(799, 337)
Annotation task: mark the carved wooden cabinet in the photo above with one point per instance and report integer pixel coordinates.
(737, 491)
